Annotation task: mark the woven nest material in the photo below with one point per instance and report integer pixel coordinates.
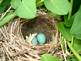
(13, 45)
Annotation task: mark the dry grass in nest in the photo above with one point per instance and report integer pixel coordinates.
(13, 46)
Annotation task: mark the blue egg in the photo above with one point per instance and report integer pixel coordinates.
(41, 38)
(34, 41)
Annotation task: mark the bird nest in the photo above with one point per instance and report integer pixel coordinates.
(14, 45)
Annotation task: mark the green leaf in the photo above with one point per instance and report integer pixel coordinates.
(77, 45)
(4, 5)
(74, 51)
(65, 32)
(68, 22)
(15, 3)
(76, 27)
(7, 18)
(76, 6)
(59, 7)
(48, 57)
(27, 9)
(71, 58)
(1, 1)
(39, 3)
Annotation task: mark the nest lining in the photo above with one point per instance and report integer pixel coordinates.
(13, 46)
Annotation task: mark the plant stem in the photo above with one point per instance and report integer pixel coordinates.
(72, 42)
(74, 52)
(62, 46)
(1, 1)
(70, 12)
(40, 1)
(7, 18)
(5, 13)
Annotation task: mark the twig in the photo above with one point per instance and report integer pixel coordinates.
(74, 52)
(70, 12)
(5, 13)
(61, 42)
